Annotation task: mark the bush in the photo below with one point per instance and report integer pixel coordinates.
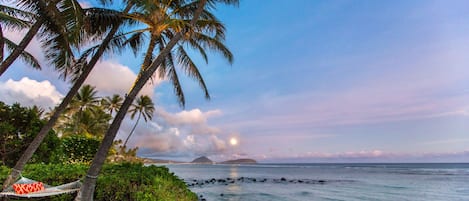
(116, 182)
(79, 148)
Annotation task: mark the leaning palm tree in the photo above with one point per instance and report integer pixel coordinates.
(112, 104)
(55, 23)
(87, 190)
(16, 20)
(98, 21)
(144, 107)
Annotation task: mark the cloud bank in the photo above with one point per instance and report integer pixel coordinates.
(29, 92)
(113, 78)
(183, 134)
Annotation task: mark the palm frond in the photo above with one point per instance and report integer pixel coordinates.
(136, 41)
(14, 18)
(213, 44)
(191, 69)
(100, 20)
(27, 57)
(171, 74)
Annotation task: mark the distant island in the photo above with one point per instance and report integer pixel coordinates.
(203, 160)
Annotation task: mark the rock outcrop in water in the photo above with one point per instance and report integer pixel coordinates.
(202, 160)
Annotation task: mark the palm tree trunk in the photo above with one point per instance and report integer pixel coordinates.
(61, 108)
(2, 44)
(133, 129)
(87, 189)
(23, 44)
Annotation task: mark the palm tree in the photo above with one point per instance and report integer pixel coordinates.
(97, 20)
(162, 21)
(84, 103)
(112, 104)
(86, 99)
(144, 107)
(15, 19)
(57, 27)
(87, 189)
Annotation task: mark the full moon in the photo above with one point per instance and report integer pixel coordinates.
(233, 141)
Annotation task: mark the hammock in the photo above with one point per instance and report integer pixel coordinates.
(48, 190)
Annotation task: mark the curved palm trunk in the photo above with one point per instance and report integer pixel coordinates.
(23, 44)
(87, 189)
(133, 129)
(60, 109)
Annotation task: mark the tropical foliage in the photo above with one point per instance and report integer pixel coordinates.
(18, 126)
(86, 115)
(118, 181)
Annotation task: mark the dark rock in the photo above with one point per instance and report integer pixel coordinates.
(283, 179)
(221, 194)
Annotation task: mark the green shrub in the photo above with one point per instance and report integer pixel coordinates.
(79, 148)
(116, 182)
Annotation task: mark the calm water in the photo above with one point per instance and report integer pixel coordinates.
(327, 181)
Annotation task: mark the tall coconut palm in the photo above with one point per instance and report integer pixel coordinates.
(144, 107)
(162, 21)
(87, 189)
(112, 104)
(97, 20)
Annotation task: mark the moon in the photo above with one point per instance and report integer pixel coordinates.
(233, 141)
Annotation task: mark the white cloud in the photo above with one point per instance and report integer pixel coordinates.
(113, 78)
(195, 120)
(30, 92)
(191, 117)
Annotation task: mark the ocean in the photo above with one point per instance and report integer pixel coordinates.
(299, 182)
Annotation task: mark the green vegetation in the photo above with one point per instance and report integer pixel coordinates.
(123, 181)
(66, 30)
(81, 128)
(65, 159)
(18, 127)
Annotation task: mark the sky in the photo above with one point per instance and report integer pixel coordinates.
(312, 81)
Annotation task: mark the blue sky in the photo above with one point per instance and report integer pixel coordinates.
(313, 81)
